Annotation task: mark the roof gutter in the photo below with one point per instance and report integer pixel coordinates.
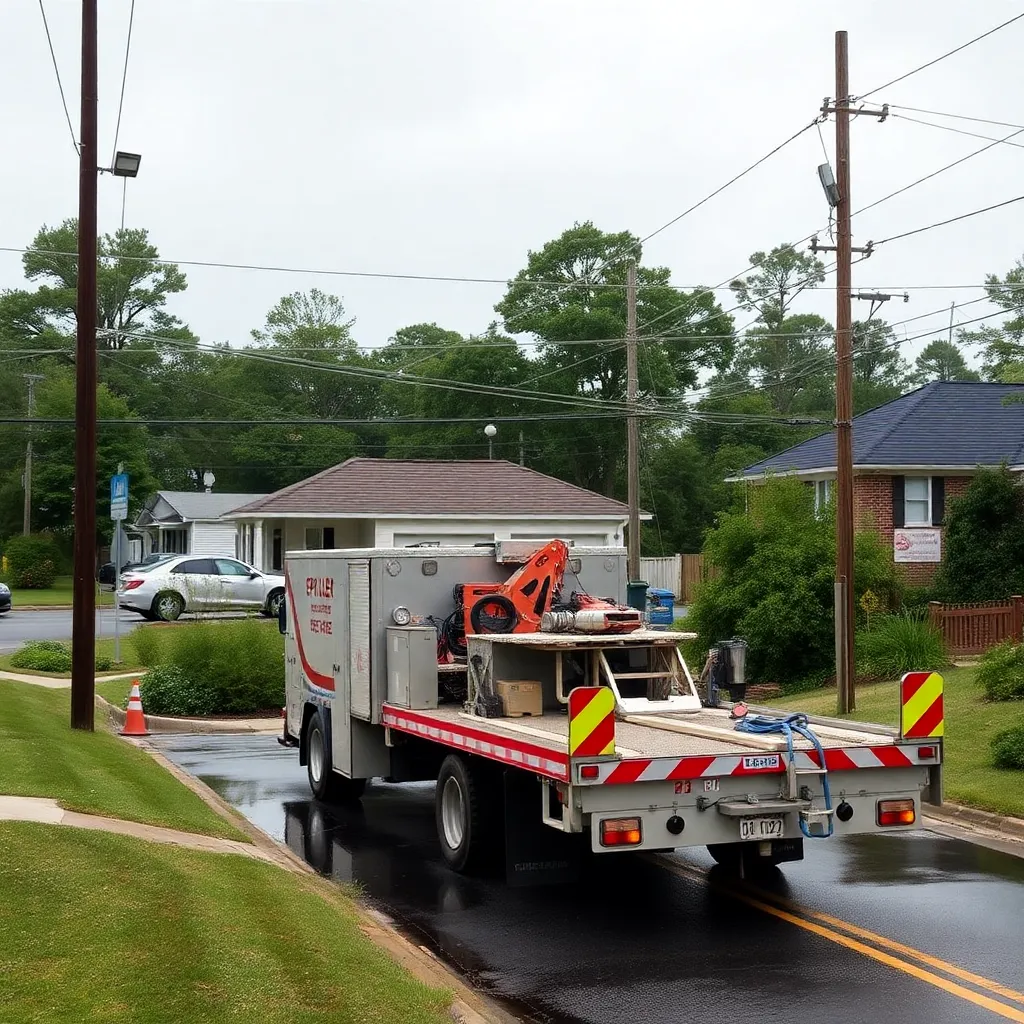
(868, 467)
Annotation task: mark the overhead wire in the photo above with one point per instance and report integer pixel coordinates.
(950, 220)
(960, 131)
(960, 117)
(936, 60)
(124, 79)
(60, 85)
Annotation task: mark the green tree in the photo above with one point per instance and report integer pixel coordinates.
(984, 540)
(879, 370)
(571, 297)
(942, 360)
(780, 276)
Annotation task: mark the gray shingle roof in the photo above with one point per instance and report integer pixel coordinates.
(945, 423)
(433, 487)
(192, 505)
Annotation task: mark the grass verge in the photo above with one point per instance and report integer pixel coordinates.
(107, 928)
(971, 722)
(59, 594)
(97, 773)
(104, 649)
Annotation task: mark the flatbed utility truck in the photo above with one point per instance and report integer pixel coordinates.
(544, 712)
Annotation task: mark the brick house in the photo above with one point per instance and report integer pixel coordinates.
(911, 456)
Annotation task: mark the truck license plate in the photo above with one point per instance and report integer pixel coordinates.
(769, 827)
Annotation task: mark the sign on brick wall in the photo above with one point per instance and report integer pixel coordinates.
(917, 545)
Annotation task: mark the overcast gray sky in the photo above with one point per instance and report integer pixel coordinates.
(451, 136)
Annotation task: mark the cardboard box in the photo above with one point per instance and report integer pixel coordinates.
(520, 697)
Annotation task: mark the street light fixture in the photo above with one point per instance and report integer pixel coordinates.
(126, 165)
(489, 432)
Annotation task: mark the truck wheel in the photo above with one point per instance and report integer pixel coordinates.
(464, 813)
(168, 606)
(324, 781)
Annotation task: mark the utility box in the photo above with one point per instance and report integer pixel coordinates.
(412, 667)
(520, 697)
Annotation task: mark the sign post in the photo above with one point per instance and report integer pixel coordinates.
(118, 513)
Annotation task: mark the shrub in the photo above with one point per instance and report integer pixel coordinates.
(242, 662)
(32, 561)
(1008, 748)
(984, 540)
(904, 642)
(50, 656)
(1001, 672)
(167, 690)
(148, 644)
(775, 583)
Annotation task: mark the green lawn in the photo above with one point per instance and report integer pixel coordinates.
(104, 648)
(41, 755)
(60, 593)
(110, 929)
(971, 722)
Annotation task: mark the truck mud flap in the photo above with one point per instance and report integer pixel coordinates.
(535, 853)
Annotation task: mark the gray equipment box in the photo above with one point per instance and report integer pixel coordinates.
(412, 667)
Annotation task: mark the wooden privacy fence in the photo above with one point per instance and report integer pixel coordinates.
(678, 573)
(974, 628)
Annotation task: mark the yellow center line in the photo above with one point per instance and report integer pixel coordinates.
(832, 934)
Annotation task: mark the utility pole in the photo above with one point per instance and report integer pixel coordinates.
(522, 450)
(632, 431)
(26, 521)
(83, 629)
(844, 388)
(952, 312)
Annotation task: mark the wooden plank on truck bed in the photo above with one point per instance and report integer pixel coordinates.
(741, 739)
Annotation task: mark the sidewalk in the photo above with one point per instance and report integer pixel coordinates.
(59, 683)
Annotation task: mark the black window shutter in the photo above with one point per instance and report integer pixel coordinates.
(899, 511)
(938, 500)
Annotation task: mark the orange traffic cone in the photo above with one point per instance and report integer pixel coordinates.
(135, 722)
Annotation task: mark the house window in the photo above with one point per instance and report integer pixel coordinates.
(822, 494)
(329, 537)
(314, 538)
(277, 550)
(174, 542)
(917, 501)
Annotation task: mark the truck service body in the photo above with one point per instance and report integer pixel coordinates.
(618, 747)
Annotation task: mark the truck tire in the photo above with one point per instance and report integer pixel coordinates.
(465, 808)
(324, 781)
(733, 856)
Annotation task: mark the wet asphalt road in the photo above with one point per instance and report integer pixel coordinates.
(910, 928)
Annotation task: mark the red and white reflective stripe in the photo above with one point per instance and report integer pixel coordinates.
(464, 737)
(837, 759)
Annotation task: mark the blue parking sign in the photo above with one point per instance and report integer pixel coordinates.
(119, 496)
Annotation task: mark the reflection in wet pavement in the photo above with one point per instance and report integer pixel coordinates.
(632, 942)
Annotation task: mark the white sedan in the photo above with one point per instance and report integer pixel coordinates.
(189, 583)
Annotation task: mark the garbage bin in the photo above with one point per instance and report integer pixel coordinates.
(660, 606)
(636, 595)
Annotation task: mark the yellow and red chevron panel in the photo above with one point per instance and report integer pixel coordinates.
(591, 721)
(921, 712)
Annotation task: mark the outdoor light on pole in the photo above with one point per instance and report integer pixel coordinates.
(126, 165)
(490, 431)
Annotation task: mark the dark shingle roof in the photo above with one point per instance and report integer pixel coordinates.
(433, 487)
(945, 423)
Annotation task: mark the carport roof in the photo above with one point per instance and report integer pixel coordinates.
(387, 487)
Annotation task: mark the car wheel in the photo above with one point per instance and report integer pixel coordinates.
(324, 781)
(273, 606)
(168, 606)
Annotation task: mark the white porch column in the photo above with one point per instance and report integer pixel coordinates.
(257, 545)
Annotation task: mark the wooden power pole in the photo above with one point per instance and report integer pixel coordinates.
(83, 616)
(632, 431)
(844, 388)
(26, 519)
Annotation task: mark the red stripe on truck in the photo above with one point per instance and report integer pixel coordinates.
(315, 677)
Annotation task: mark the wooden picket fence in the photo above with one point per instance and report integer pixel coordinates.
(974, 628)
(678, 573)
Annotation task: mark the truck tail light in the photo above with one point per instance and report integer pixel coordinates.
(927, 753)
(589, 771)
(896, 812)
(621, 832)
(131, 584)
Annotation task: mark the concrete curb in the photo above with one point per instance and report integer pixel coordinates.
(467, 1007)
(160, 724)
(957, 814)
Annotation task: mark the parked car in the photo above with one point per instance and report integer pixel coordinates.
(5, 598)
(107, 577)
(187, 583)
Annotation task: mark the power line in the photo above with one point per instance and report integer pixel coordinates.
(960, 131)
(959, 117)
(120, 104)
(931, 63)
(950, 220)
(56, 69)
